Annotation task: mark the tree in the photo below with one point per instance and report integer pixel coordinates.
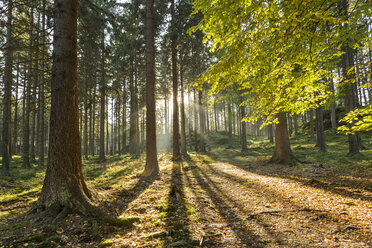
(201, 122)
(64, 188)
(102, 102)
(176, 143)
(243, 125)
(41, 110)
(152, 167)
(246, 44)
(282, 151)
(182, 110)
(7, 92)
(320, 139)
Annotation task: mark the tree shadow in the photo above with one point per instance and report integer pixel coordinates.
(177, 225)
(122, 198)
(247, 237)
(337, 184)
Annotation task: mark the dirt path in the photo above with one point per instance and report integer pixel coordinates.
(209, 203)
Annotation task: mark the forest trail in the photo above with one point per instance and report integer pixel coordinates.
(219, 200)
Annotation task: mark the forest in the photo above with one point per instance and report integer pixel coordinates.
(186, 123)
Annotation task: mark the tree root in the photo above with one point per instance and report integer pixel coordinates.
(61, 215)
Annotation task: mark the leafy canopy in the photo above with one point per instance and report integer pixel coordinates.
(275, 51)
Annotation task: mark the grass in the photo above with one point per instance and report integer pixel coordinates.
(119, 172)
(25, 184)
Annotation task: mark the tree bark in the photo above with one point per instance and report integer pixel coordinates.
(347, 63)
(85, 140)
(243, 129)
(215, 117)
(93, 119)
(15, 121)
(176, 143)
(282, 151)
(195, 121)
(229, 119)
(7, 92)
(133, 149)
(118, 118)
(190, 119)
(270, 133)
(202, 122)
(107, 102)
(295, 124)
(102, 103)
(152, 167)
(333, 109)
(26, 125)
(64, 187)
(183, 121)
(320, 138)
(41, 119)
(124, 137)
(311, 120)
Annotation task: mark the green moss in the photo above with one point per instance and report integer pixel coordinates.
(128, 221)
(106, 243)
(156, 235)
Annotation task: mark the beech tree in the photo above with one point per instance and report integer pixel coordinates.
(248, 43)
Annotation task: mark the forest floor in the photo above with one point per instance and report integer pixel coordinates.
(218, 199)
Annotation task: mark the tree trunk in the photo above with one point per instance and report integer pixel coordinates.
(85, 128)
(112, 150)
(195, 121)
(243, 128)
(176, 145)
(124, 142)
(215, 117)
(102, 103)
(270, 133)
(183, 121)
(190, 119)
(118, 118)
(33, 127)
(15, 127)
(207, 120)
(107, 124)
(202, 122)
(333, 109)
(26, 125)
(64, 188)
(282, 150)
(35, 105)
(133, 113)
(41, 94)
(93, 117)
(229, 119)
(295, 125)
(7, 92)
(166, 125)
(224, 117)
(311, 120)
(347, 63)
(290, 129)
(320, 139)
(152, 167)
